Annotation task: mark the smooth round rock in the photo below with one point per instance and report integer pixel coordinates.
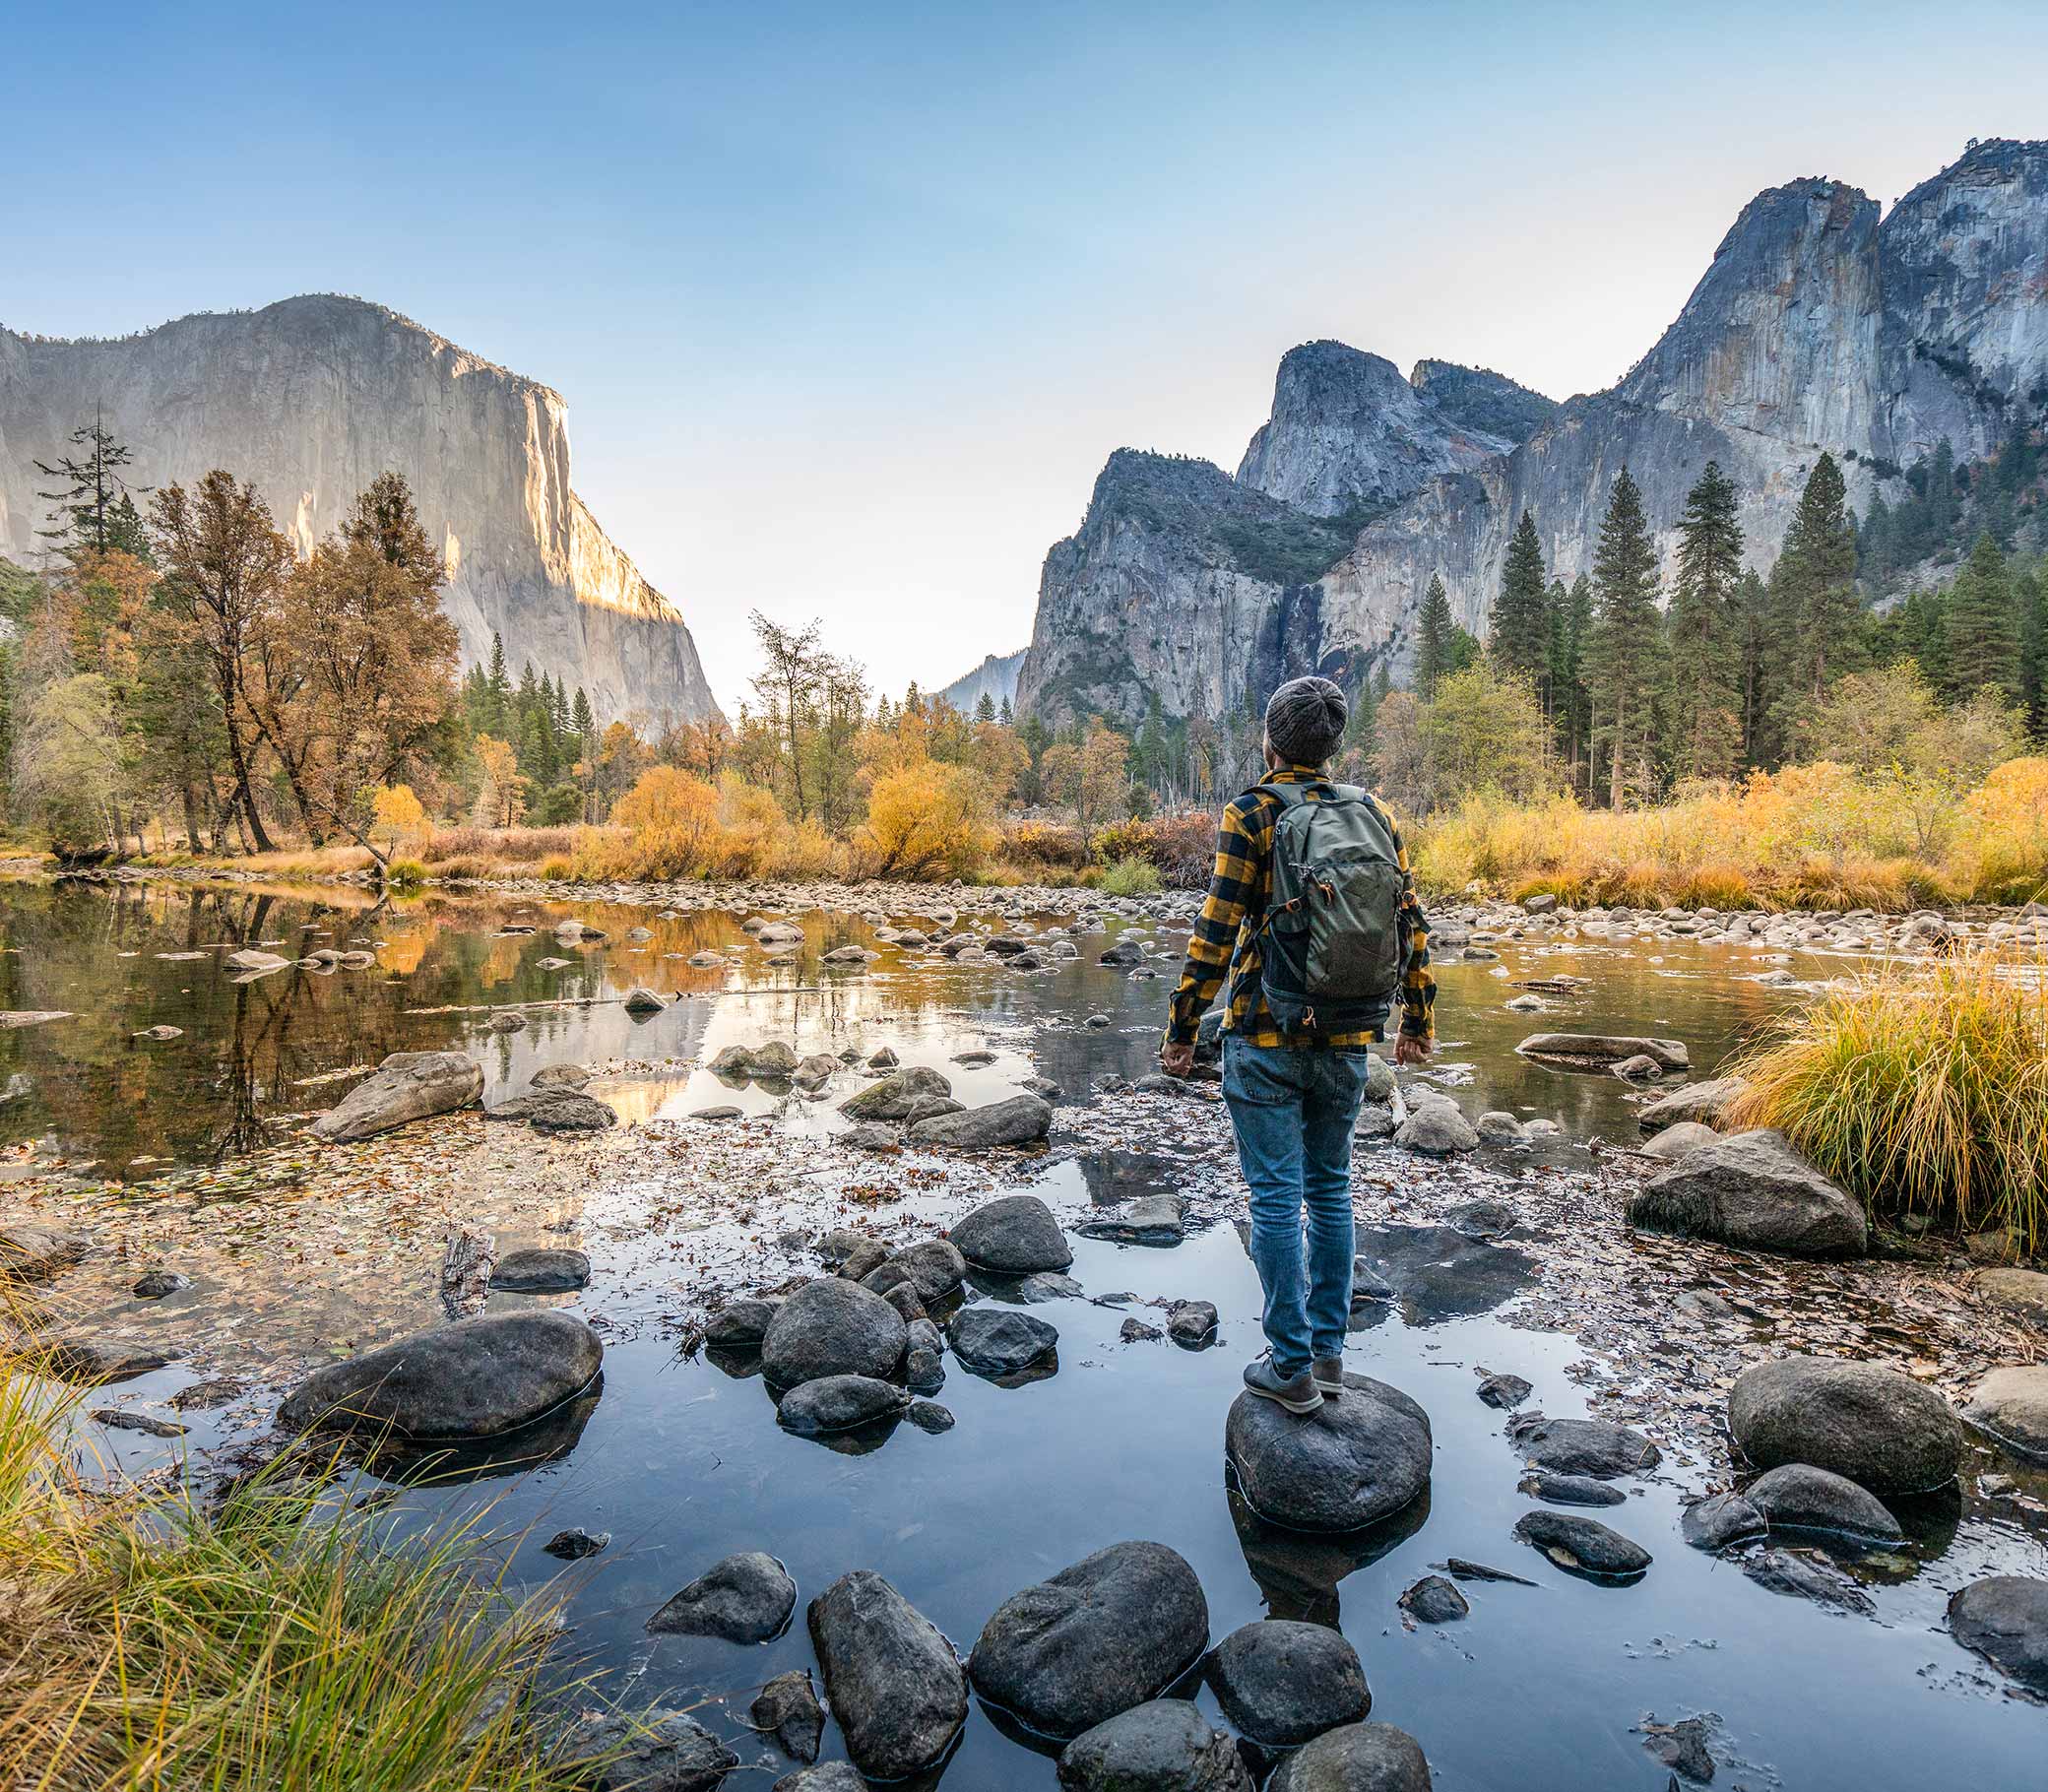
(1281, 1683)
(1571, 1490)
(746, 1598)
(1678, 1139)
(1112, 1630)
(1165, 1745)
(1000, 1340)
(1722, 1520)
(1013, 1235)
(2004, 1620)
(543, 1271)
(1359, 1758)
(1881, 1428)
(1434, 1599)
(835, 1403)
(2021, 1292)
(1437, 1129)
(935, 1265)
(832, 1327)
(740, 1324)
(788, 1710)
(474, 1379)
(1356, 1460)
(1801, 1497)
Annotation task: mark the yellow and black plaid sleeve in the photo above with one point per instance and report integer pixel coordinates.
(1418, 981)
(1243, 838)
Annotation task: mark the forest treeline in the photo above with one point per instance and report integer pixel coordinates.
(179, 680)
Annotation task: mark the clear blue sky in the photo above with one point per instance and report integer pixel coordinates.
(849, 303)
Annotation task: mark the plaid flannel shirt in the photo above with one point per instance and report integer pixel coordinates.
(1226, 935)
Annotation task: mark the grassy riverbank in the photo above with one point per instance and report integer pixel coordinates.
(1922, 1090)
(148, 1642)
(1810, 837)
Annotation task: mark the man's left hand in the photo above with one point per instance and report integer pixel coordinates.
(1409, 1050)
(1177, 1060)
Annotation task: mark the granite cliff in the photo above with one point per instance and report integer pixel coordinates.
(1815, 327)
(311, 399)
(995, 678)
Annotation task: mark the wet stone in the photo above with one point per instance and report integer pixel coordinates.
(1799, 1497)
(1191, 1323)
(739, 1322)
(1353, 1462)
(1435, 1600)
(1753, 1189)
(120, 1417)
(837, 1403)
(1505, 1392)
(1880, 1428)
(893, 1681)
(1157, 1220)
(1582, 1546)
(832, 1326)
(1165, 1745)
(574, 1544)
(1571, 1490)
(1014, 1235)
(1722, 1520)
(2011, 1405)
(788, 1710)
(541, 1271)
(1357, 1757)
(1681, 1746)
(1281, 1683)
(663, 1752)
(154, 1284)
(1000, 1340)
(1582, 1447)
(1047, 1285)
(1801, 1577)
(2004, 1620)
(1136, 1331)
(929, 1416)
(1111, 1631)
(744, 1598)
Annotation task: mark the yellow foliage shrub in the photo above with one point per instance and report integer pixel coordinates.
(928, 816)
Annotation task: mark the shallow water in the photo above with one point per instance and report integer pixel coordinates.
(681, 1460)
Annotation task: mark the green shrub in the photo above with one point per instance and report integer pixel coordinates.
(1131, 878)
(405, 871)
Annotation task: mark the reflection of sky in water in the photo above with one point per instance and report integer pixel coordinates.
(683, 1462)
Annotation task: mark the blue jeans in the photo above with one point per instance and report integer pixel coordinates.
(1293, 1111)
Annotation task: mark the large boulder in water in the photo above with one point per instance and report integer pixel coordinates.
(1014, 1235)
(2004, 1620)
(34, 1254)
(832, 1327)
(407, 1086)
(1165, 1745)
(1881, 1428)
(1798, 1496)
(893, 1680)
(1022, 1119)
(1354, 1461)
(1753, 1189)
(1283, 1682)
(1703, 1104)
(1359, 1758)
(895, 1095)
(1600, 1050)
(1111, 1631)
(474, 1379)
(830, 1404)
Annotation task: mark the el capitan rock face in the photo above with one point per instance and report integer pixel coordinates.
(312, 398)
(1817, 326)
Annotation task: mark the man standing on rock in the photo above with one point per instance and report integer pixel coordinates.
(1313, 911)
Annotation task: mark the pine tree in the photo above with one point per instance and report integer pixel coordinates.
(1820, 601)
(1006, 715)
(497, 719)
(582, 717)
(1753, 647)
(1432, 639)
(94, 508)
(984, 710)
(1705, 628)
(1983, 628)
(1624, 650)
(2031, 596)
(1521, 625)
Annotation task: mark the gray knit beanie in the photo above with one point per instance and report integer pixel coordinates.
(1305, 721)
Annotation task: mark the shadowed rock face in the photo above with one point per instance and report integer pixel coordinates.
(311, 399)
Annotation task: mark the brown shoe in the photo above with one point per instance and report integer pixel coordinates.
(1328, 1372)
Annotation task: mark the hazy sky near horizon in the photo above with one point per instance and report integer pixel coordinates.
(849, 304)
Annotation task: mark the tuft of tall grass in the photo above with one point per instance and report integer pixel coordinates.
(272, 1641)
(1130, 877)
(1919, 1090)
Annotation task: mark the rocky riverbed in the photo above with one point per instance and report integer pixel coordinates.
(1573, 1373)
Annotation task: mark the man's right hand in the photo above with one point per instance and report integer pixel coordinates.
(1177, 1060)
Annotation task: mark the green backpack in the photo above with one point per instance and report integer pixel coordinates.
(1334, 938)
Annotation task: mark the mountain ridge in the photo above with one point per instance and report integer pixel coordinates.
(310, 398)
